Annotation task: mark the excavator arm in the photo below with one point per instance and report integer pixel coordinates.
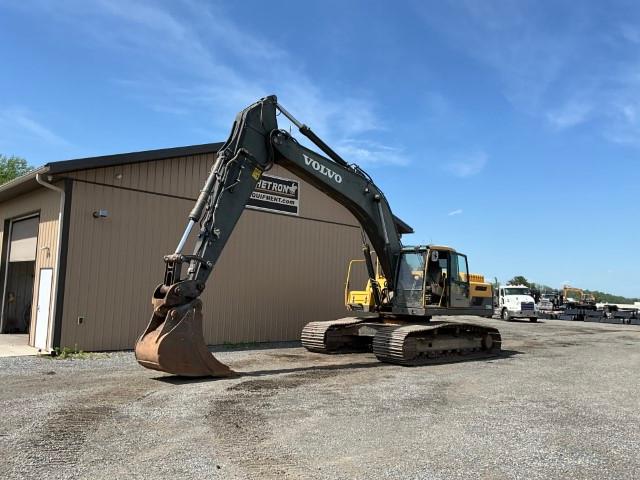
(173, 341)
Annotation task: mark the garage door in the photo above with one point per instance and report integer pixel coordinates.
(24, 240)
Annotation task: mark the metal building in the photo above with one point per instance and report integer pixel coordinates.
(82, 245)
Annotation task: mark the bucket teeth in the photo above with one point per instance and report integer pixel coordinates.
(175, 344)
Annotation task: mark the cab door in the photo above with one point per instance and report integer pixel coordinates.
(459, 281)
(409, 291)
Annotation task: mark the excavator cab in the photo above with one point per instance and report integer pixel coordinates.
(432, 277)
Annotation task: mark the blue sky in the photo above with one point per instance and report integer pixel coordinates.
(509, 130)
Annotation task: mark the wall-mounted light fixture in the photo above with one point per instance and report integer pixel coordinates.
(118, 176)
(100, 214)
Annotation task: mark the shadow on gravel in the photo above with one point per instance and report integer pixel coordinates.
(241, 347)
(317, 368)
(522, 320)
(505, 354)
(177, 380)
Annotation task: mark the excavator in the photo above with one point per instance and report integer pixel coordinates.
(415, 282)
(577, 296)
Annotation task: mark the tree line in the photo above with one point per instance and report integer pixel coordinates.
(12, 167)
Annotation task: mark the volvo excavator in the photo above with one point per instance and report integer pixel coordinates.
(416, 282)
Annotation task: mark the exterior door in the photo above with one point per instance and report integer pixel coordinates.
(459, 278)
(43, 315)
(21, 256)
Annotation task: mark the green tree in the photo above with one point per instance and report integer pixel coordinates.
(518, 280)
(610, 298)
(12, 167)
(541, 287)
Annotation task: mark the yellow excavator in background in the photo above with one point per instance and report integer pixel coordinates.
(419, 281)
(481, 292)
(577, 296)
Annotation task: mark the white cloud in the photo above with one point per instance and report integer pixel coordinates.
(584, 70)
(467, 165)
(455, 212)
(630, 112)
(19, 123)
(572, 114)
(623, 126)
(206, 65)
(505, 37)
(631, 33)
(370, 153)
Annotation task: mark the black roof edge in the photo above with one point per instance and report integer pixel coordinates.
(66, 166)
(403, 228)
(133, 157)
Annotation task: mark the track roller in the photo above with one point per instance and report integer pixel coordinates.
(334, 336)
(435, 343)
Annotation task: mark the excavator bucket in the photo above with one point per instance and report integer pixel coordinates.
(174, 343)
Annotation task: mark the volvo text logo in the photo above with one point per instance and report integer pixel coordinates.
(327, 172)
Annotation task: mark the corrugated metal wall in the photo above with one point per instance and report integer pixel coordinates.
(277, 273)
(47, 203)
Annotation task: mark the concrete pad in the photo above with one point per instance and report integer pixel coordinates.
(15, 345)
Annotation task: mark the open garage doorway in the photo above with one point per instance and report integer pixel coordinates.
(19, 275)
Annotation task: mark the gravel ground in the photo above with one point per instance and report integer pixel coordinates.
(562, 402)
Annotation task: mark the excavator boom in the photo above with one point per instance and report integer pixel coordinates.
(173, 341)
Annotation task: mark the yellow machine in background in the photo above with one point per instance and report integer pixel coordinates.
(480, 292)
(361, 299)
(581, 296)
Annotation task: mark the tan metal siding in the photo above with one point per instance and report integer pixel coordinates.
(47, 203)
(184, 177)
(277, 273)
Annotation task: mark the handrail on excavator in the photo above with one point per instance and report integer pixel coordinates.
(347, 283)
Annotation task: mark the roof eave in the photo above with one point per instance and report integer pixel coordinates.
(22, 184)
(402, 226)
(117, 159)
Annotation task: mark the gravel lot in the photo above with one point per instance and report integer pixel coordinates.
(562, 402)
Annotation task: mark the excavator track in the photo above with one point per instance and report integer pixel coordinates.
(334, 336)
(413, 345)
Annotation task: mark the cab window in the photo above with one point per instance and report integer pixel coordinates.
(459, 269)
(411, 272)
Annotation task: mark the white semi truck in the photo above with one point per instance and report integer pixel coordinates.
(515, 301)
